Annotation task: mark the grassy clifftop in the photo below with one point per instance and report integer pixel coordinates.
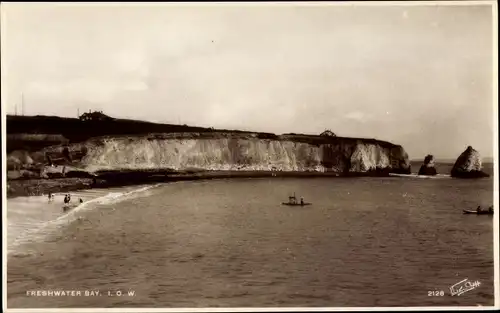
(25, 132)
(32, 133)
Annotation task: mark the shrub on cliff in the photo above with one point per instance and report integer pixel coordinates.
(19, 159)
(13, 163)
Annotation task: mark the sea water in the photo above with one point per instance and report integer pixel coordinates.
(388, 241)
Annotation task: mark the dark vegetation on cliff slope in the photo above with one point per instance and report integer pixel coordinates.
(33, 133)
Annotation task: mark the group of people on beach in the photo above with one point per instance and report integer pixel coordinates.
(67, 198)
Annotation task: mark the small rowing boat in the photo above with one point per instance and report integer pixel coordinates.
(292, 201)
(482, 212)
(295, 204)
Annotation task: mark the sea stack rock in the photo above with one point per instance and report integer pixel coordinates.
(428, 167)
(468, 165)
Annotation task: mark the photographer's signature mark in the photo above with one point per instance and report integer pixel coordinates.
(463, 286)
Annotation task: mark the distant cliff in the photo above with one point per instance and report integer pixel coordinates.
(94, 147)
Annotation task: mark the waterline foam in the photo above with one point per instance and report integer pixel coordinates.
(40, 230)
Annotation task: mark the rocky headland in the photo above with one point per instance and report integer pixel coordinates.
(106, 151)
(468, 165)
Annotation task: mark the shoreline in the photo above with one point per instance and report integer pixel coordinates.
(123, 178)
(38, 187)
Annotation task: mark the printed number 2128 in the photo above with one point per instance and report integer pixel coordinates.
(435, 293)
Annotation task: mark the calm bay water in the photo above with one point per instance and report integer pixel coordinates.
(229, 243)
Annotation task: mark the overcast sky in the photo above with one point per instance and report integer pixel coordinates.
(419, 76)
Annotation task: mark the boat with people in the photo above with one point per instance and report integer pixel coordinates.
(480, 211)
(292, 201)
(296, 204)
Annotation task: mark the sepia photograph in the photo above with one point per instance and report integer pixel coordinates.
(263, 156)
